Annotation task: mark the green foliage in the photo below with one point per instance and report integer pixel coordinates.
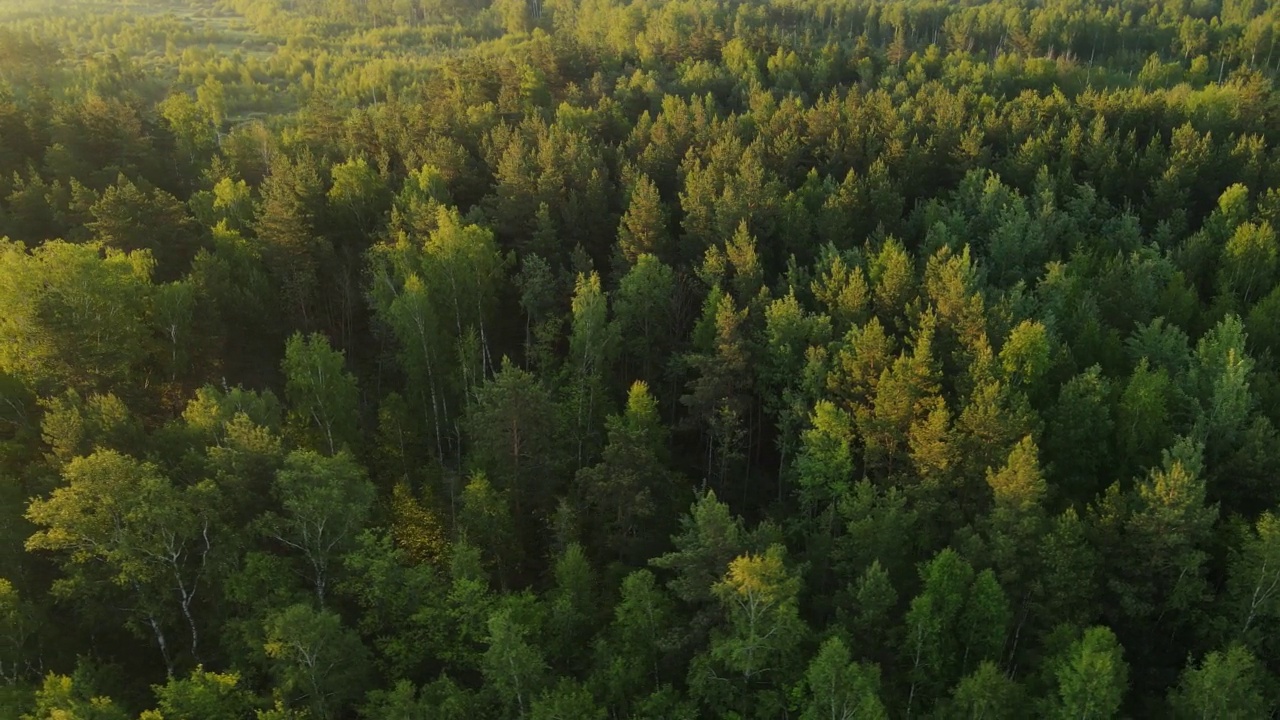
(759, 597)
(987, 692)
(121, 522)
(16, 627)
(73, 318)
(643, 629)
(317, 663)
(203, 694)
(592, 346)
(324, 502)
(709, 538)
(958, 619)
(624, 492)
(1225, 684)
(517, 442)
(959, 317)
(1091, 677)
(127, 219)
(567, 699)
(643, 228)
(643, 306)
(514, 668)
(322, 395)
(358, 192)
(286, 223)
(840, 688)
(60, 697)
(824, 467)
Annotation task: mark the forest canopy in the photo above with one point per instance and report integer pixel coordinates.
(595, 359)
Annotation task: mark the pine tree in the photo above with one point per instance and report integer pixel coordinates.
(643, 228)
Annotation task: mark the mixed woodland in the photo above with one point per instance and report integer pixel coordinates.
(604, 359)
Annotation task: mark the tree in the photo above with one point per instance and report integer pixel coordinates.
(461, 265)
(824, 467)
(1068, 582)
(1253, 583)
(996, 417)
(415, 211)
(958, 618)
(128, 219)
(880, 525)
(540, 299)
(235, 297)
(1082, 418)
(709, 538)
(404, 305)
(1092, 677)
(390, 591)
(719, 398)
(73, 426)
(74, 318)
(1219, 378)
(625, 490)
(287, 225)
(1248, 266)
(486, 516)
(986, 693)
(322, 395)
(515, 442)
(1165, 555)
(97, 136)
(893, 281)
(358, 195)
(239, 432)
(952, 284)
(985, 620)
(875, 600)
(841, 287)
(572, 606)
(858, 362)
(754, 651)
(316, 661)
(62, 697)
(191, 124)
(1226, 684)
(643, 627)
(1163, 345)
(203, 695)
(643, 228)
(933, 451)
(1142, 423)
(568, 700)
(747, 281)
(174, 317)
(416, 527)
(841, 689)
(279, 712)
(1017, 521)
(121, 520)
(401, 701)
(17, 625)
(643, 306)
(905, 393)
(512, 666)
(325, 502)
(592, 345)
(792, 351)
(1025, 356)
(759, 595)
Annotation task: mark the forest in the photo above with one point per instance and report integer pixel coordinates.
(645, 359)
